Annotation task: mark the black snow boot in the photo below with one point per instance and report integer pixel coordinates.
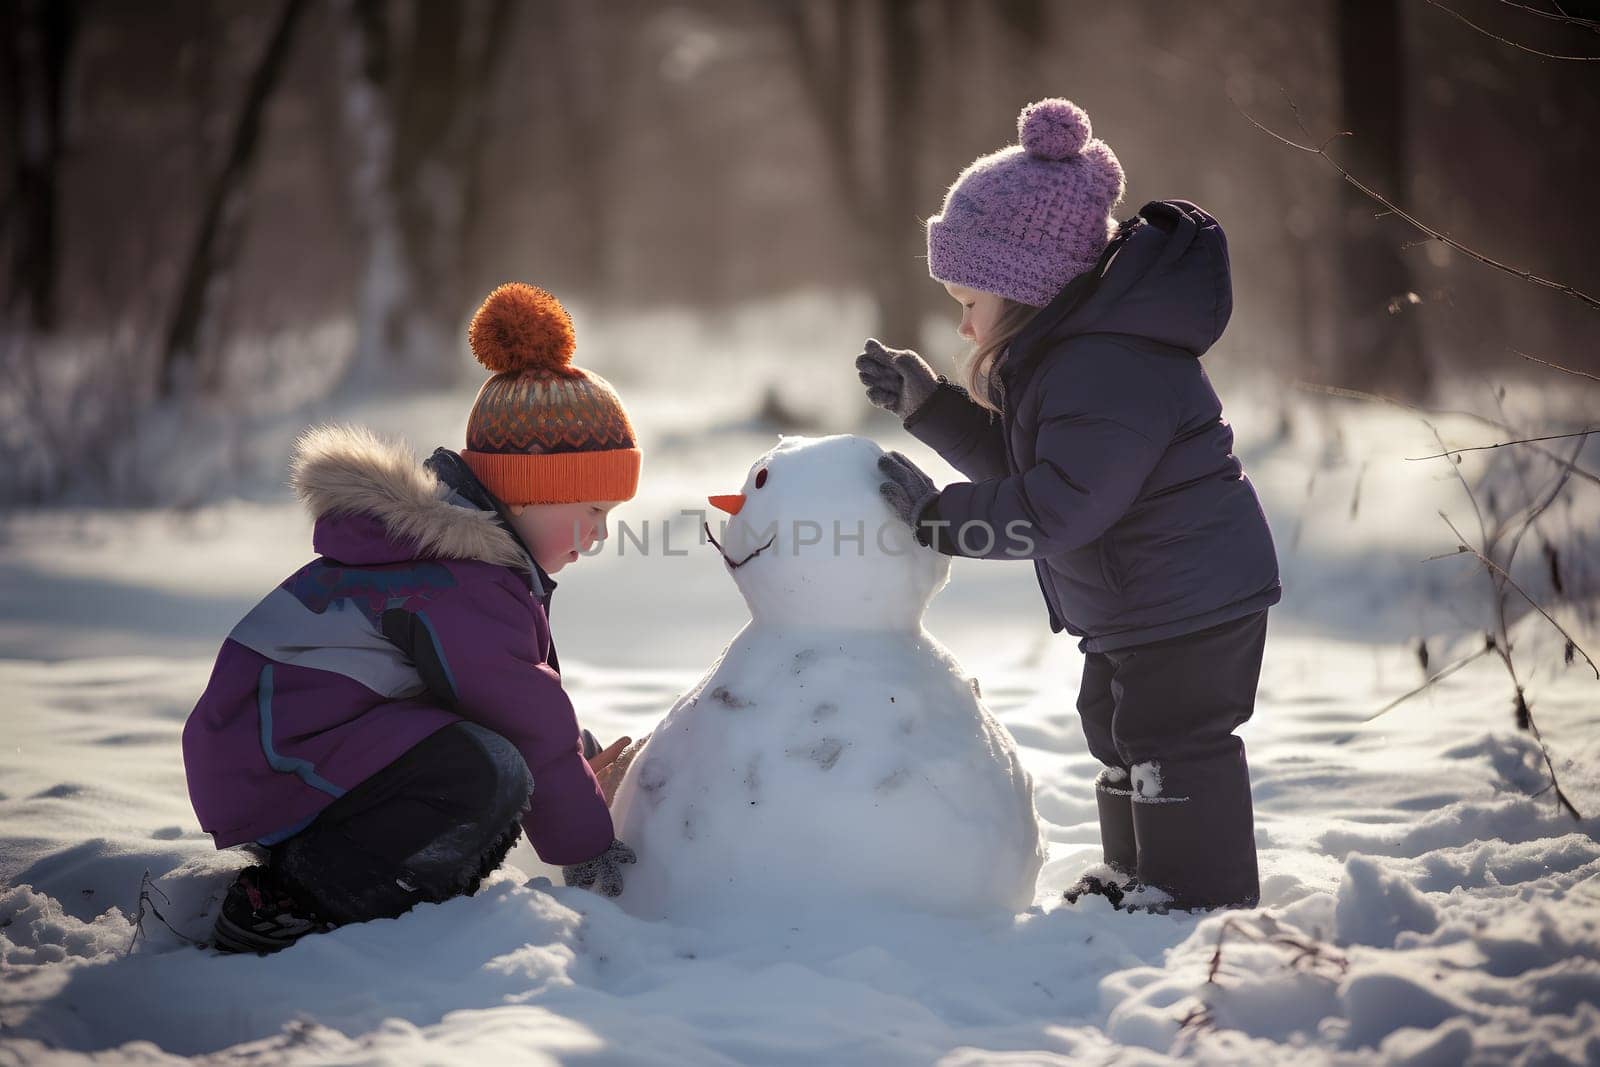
(1113, 796)
(1101, 882)
(263, 913)
(1196, 831)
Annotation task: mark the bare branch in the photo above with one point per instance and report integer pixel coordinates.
(1200, 1017)
(1216, 957)
(1499, 641)
(1495, 567)
(1472, 498)
(1347, 393)
(1437, 235)
(1535, 510)
(1504, 40)
(1557, 366)
(1572, 20)
(1379, 398)
(1520, 469)
(1498, 579)
(1525, 718)
(147, 886)
(1270, 933)
(1444, 672)
(1502, 444)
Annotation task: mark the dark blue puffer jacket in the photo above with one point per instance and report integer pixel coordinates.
(1112, 456)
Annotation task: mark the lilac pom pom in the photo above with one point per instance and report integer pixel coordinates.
(1053, 129)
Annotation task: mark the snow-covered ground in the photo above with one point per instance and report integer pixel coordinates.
(1420, 904)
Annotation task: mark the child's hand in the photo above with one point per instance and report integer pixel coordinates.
(906, 489)
(605, 757)
(610, 765)
(897, 380)
(603, 874)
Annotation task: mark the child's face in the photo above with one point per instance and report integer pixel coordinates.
(558, 533)
(979, 311)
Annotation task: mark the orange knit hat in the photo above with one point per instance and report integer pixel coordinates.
(543, 431)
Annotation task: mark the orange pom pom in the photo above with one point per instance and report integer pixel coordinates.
(522, 327)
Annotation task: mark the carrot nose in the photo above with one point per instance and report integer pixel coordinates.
(730, 504)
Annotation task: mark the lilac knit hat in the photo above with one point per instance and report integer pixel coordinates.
(1025, 220)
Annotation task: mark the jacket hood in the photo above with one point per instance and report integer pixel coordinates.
(1164, 277)
(374, 503)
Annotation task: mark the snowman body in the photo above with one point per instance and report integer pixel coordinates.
(835, 751)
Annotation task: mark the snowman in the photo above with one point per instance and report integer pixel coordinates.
(835, 752)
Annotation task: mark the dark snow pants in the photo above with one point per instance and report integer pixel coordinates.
(1175, 699)
(1174, 799)
(427, 827)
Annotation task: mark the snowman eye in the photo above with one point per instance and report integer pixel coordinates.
(761, 477)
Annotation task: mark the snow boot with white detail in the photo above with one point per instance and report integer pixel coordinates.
(1113, 797)
(1115, 878)
(1196, 831)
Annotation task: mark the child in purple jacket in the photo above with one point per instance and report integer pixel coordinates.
(386, 721)
(1096, 448)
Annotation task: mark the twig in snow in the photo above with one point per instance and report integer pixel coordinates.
(1498, 574)
(1441, 676)
(1524, 714)
(1306, 954)
(1495, 567)
(1499, 642)
(1198, 1018)
(147, 885)
(1472, 498)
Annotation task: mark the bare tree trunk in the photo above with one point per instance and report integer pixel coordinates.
(584, 57)
(1380, 344)
(428, 180)
(38, 37)
(216, 242)
(878, 190)
(416, 98)
(899, 233)
(365, 59)
(492, 33)
(823, 52)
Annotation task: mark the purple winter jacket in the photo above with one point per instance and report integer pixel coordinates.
(422, 609)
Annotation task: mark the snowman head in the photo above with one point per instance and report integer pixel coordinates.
(810, 542)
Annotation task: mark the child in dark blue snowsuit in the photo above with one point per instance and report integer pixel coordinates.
(1096, 447)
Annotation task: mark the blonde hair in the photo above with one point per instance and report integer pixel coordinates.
(975, 370)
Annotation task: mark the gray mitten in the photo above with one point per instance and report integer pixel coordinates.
(897, 380)
(906, 488)
(603, 874)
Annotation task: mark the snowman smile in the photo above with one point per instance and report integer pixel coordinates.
(742, 562)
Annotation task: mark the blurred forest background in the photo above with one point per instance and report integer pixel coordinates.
(247, 206)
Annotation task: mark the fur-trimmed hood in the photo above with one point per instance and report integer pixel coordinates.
(373, 502)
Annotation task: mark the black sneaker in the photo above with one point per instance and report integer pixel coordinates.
(262, 914)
